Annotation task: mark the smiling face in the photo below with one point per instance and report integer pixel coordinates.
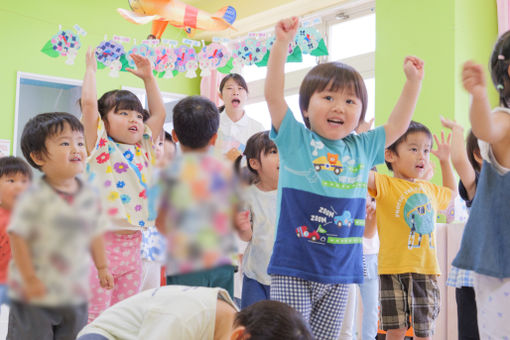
(65, 154)
(234, 96)
(11, 185)
(412, 156)
(124, 126)
(333, 114)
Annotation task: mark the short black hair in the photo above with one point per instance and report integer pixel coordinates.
(273, 320)
(120, 100)
(473, 149)
(332, 76)
(413, 128)
(42, 126)
(11, 165)
(196, 120)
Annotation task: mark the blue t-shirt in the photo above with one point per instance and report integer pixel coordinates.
(322, 190)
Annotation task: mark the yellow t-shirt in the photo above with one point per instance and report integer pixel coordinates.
(406, 215)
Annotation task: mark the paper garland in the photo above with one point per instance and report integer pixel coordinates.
(168, 61)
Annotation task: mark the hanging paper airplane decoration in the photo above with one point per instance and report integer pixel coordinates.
(178, 14)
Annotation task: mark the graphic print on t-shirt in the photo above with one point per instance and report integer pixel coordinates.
(418, 215)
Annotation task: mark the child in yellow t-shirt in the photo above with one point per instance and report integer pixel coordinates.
(406, 214)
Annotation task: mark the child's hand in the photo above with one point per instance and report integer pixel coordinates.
(143, 67)
(370, 207)
(34, 288)
(429, 172)
(364, 126)
(413, 68)
(451, 124)
(443, 148)
(90, 59)
(473, 79)
(286, 29)
(242, 221)
(105, 278)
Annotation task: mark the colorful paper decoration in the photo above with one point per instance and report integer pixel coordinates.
(165, 61)
(270, 43)
(185, 54)
(307, 38)
(250, 51)
(109, 51)
(178, 14)
(64, 43)
(211, 57)
(143, 50)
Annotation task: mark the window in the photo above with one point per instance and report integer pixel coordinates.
(350, 34)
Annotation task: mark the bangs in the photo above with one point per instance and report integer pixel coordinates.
(121, 100)
(58, 126)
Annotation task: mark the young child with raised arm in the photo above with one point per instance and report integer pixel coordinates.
(15, 176)
(54, 228)
(119, 135)
(406, 215)
(322, 182)
(485, 247)
(198, 201)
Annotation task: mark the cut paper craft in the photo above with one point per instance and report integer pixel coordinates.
(143, 50)
(165, 59)
(307, 38)
(212, 56)
(270, 43)
(185, 54)
(108, 51)
(191, 68)
(178, 14)
(321, 50)
(64, 43)
(250, 51)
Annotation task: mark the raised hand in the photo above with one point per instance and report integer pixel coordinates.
(143, 67)
(473, 79)
(413, 68)
(451, 124)
(286, 29)
(90, 59)
(364, 126)
(443, 148)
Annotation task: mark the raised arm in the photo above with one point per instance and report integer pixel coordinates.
(285, 31)
(460, 158)
(156, 105)
(400, 117)
(90, 113)
(443, 154)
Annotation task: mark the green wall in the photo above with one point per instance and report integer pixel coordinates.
(25, 26)
(444, 33)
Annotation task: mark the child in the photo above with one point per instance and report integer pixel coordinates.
(15, 176)
(468, 166)
(235, 125)
(54, 227)
(485, 246)
(169, 152)
(118, 137)
(257, 225)
(406, 215)
(197, 201)
(322, 182)
(153, 249)
(195, 313)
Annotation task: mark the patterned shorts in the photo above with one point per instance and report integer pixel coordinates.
(409, 295)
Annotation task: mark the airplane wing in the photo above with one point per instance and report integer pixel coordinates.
(135, 17)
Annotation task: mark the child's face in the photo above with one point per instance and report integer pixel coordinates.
(233, 95)
(125, 126)
(268, 168)
(66, 154)
(412, 157)
(11, 185)
(159, 147)
(334, 114)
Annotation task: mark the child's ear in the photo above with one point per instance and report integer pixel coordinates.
(212, 141)
(238, 333)
(174, 136)
(389, 156)
(254, 163)
(37, 158)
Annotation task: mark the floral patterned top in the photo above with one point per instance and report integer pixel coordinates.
(123, 174)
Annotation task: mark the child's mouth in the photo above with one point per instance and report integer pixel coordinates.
(336, 121)
(133, 129)
(76, 159)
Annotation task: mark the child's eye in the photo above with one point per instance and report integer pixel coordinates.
(350, 101)
(10, 180)
(426, 151)
(414, 149)
(140, 116)
(328, 98)
(81, 144)
(123, 113)
(64, 144)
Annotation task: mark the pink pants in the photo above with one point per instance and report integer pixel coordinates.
(125, 264)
